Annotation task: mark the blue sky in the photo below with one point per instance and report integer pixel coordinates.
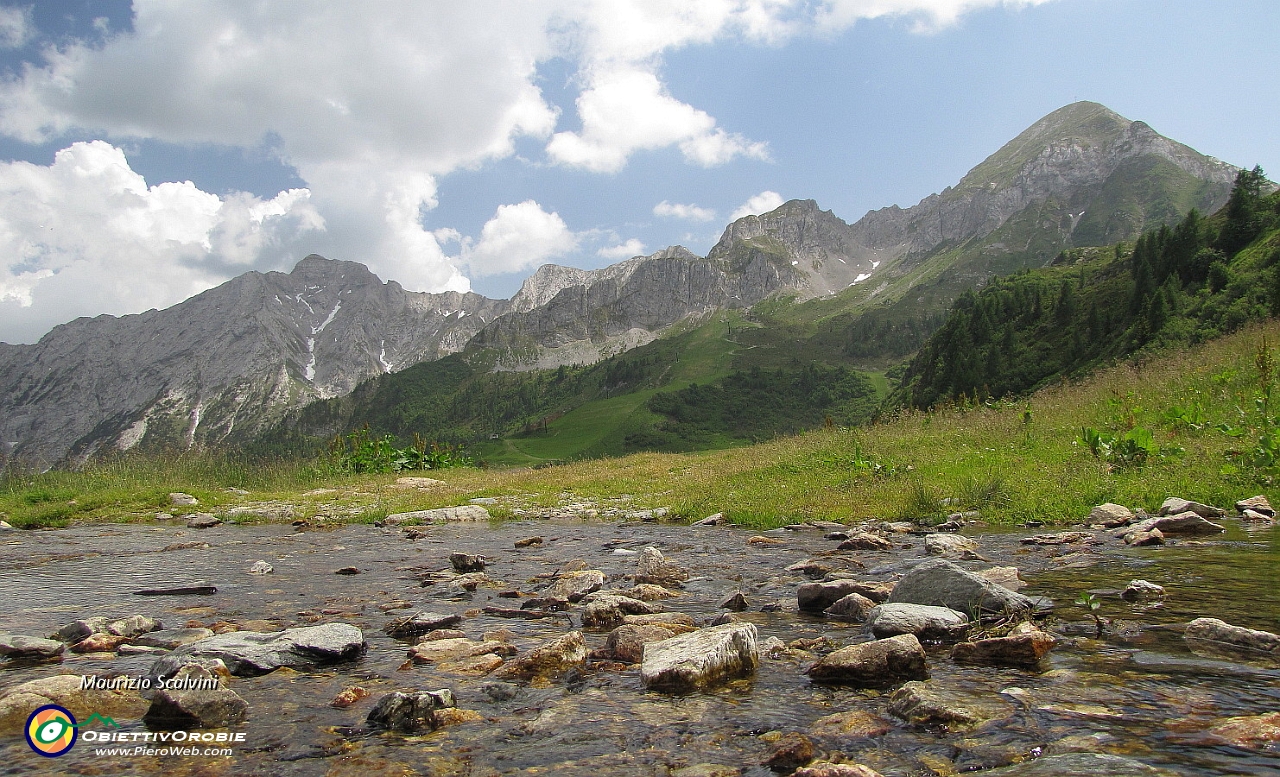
(151, 151)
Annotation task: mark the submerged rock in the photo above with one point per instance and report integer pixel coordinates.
(466, 562)
(249, 653)
(547, 660)
(261, 567)
(1253, 731)
(828, 769)
(195, 698)
(438, 650)
(792, 750)
(924, 703)
(941, 583)
(700, 658)
(1079, 765)
(1138, 590)
(877, 664)
(922, 620)
(626, 643)
(1212, 637)
(411, 712)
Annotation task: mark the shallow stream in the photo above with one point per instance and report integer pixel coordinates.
(1139, 692)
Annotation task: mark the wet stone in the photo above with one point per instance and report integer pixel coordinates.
(852, 724)
(735, 603)
(573, 586)
(828, 769)
(606, 611)
(950, 546)
(1024, 647)
(466, 562)
(924, 703)
(1250, 731)
(261, 567)
(790, 752)
(1257, 504)
(816, 597)
(528, 542)
(626, 643)
(195, 698)
(1140, 590)
(853, 606)
(420, 623)
(700, 658)
(1216, 638)
(170, 639)
(19, 646)
(1079, 765)
(924, 621)
(248, 653)
(877, 664)
(410, 712)
(865, 541)
(202, 521)
(652, 567)
(548, 660)
(941, 583)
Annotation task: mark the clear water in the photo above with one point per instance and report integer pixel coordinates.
(1139, 692)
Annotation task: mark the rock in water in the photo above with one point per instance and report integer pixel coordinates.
(793, 750)
(261, 567)
(875, 664)
(421, 623)
(607, 611)
(653, 567)
(1110, 515)
(410, 713)
(19, 646)
(1176, 506)
(547, 660)
(1257, 504)
(626, 643)
(1025, 646)
(1250, 730)
(865, 541)
(816, 597)
(950, 546)
(132, 626)
(466, 562)
(1138, 590)
(854, 607)
(735, 603)
(941, 583)
(198, 588)
(1182, 523)
(249, 653)
(1212, 637)
(195, 698)
(700, 658)
(923, 703)
(170, 639)
(575, 585)
(828, 769)
(18, 702)
(922, 620)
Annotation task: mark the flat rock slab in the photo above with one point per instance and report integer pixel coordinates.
(924, 621)
(575, 585)
(170, 639)
(924, 703)
(1177, 505)
(198, 588)
(438, 650)
(1025, 648)
(17, 703)
(1188, 523)
(1212, 637)
(441, 515)
(250, 653)
(1080, 765)
(950, 546)
(700, 658)
(877, 664)
(420, 623)
(607, 611)
(941, 583)
(551, 658)
(20, 646)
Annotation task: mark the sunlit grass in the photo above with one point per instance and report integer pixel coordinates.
(1013, 461)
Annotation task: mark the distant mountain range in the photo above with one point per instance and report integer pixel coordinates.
(227, 364)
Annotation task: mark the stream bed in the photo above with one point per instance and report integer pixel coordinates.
(1137, 692)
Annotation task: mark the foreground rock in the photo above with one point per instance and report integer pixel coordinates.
(249, 653)
(17, 703)
(462, 513)
(1212, 637)
(19, 646)
(1080, 765)
(195, 698)
(626, 643)
(878, 664)
(828, 769)
(924, 703)
(548, 660)
(922, 620)
(1253, 731)
(941, 583)
(792, 750)
(700, 658)
(413, 712)
(441, 650)
(1025, 646)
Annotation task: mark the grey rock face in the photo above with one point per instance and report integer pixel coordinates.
(922, 620)
(172, 638)
(224, 364)
(816, 597)
(1213, 637)
(941, 583)
(462, 513)
(700, 658)
(420, 623)
(1177, 505)
(249, 653)
(925, 703)
(572, 586)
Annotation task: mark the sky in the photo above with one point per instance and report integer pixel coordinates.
(152, 150)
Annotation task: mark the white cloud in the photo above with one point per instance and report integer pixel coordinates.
(371, 108)
(632, 247)
(518, 237)
(87, 235)
(15, 27)
(761, 203)
(675, 210)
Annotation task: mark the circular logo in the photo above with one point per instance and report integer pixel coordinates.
(51, 730)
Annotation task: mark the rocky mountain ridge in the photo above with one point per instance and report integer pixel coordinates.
(216, 368)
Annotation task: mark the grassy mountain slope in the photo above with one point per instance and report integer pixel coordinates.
(1014, 461)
